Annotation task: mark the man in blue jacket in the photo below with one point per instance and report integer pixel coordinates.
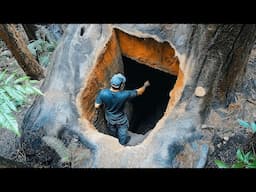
(114, 100)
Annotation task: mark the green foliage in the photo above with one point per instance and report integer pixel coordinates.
(243, 160)
(253, 127)
(13, 93)
(243, 123)
(246, 124)
(221, 164)
(246, 159)
(42, 50)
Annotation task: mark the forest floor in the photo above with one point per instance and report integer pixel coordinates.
(9, 142)
(222, 128)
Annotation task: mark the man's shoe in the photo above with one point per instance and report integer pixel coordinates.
(128, 138)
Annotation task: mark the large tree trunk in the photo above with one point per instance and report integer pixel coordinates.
(210, 56)
(18, 47)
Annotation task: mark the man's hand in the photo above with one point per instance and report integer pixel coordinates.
(96, 116)
(146, 84)
(141, 90)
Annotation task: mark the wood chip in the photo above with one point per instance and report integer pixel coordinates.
(200, 92)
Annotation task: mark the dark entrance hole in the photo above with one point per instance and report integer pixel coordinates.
(82, 31)
(148, 108)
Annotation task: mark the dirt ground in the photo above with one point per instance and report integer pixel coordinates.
(222, 126)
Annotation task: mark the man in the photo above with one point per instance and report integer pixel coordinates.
(114, 100)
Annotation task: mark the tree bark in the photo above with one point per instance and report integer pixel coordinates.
(18, 47)
(210, 56)
(30, 30)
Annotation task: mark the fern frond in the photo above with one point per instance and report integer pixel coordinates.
(9, 122)
(21, 79)
(13, 93)
(8, 101)
(36, 91)
(9, 78)
(4, 108)
(2, 75)
(42, 49)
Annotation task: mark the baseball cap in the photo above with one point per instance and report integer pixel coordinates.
(117, 80)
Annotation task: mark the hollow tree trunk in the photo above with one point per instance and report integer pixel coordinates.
(19, 49)
(30, 30)
(210, 56)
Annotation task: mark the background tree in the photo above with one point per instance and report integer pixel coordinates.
(18, 47)
(30, 30)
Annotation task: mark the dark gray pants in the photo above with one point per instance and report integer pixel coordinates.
(119, 131)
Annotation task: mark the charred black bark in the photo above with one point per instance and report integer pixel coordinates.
(30, 30)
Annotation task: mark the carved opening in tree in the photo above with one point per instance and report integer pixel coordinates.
(148, 108)
(139, 59)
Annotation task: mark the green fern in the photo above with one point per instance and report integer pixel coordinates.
(221, 164)
(249, 125)
(243, 160)
(13, 93)
(243, 123)
(43, 50)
